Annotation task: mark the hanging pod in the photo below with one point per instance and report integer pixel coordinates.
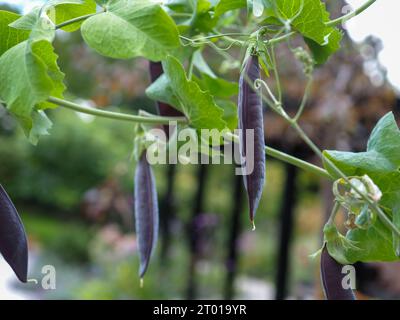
(251, 118)
(13, 243)
(146, 212)
(332, 278)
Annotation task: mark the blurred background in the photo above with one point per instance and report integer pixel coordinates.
(74, 190)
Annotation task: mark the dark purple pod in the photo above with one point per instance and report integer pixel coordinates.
(13, 243)
(163, 109)
(331, 277)
(251, 118)
(146, 212)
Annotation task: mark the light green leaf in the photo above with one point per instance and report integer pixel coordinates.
(228, 5)
(28, 76)
(160, 90)
(39, 126)
(202, 21)
(218, 87)
(131, 28)
(24, 81)
(381, 162)
(40, 26)
(9, 37)
(70, 9)
(45, 51)
(198, 106)
(201, 64)
(28, 21)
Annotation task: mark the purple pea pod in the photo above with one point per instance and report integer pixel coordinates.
(331, 277)
(163, 109)
(251, 118)
(13, 243)
(146, 212)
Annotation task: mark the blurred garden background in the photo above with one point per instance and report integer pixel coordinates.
(74, 190)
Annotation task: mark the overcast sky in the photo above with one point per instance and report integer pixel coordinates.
(380, 20)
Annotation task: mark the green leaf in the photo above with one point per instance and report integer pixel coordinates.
(57, 11)
(218, 87)
(221, 90)
(230, 113)
(381, 162)
(161, 90)
(202, 20)
(181, 7)
(28, 21)
(70, 9)
(228, 5)
(39, 126)
(307, 19)
(202, 65)
(40, 26)
(198, 106)
(322, 53)
(9, 37)
(310, 20)
(132, 28)
(46, 52)
(28, 76)
(24, 81)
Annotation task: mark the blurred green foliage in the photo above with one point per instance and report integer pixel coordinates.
(67, 240)
(78, 155)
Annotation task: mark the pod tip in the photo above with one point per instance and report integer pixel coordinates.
(141, 283)
(253, 225)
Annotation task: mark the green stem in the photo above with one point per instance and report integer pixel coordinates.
(335, 209)
(205, 40)
(115, 115)
(297, 162)
(351, 14)
(183, 14)
(304, 100)
(81, 18)
(191, 65)
(222, 35)
(281, 38)
(276, 74)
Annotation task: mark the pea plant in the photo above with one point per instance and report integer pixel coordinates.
(173, 36)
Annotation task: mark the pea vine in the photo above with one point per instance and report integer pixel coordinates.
(173, 37)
